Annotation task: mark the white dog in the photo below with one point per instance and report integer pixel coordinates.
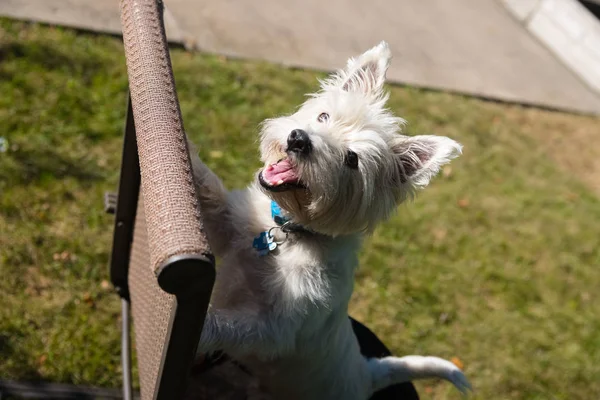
(288, 243)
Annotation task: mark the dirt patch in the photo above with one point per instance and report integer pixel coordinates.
(573, 141)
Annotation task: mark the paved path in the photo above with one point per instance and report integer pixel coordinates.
(467, 46)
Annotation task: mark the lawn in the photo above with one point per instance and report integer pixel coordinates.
(495, 264)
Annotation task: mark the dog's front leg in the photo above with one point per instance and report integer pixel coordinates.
(238, 334)
(213, 202)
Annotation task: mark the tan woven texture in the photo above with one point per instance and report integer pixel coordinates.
(168, 220)
(171, 205)
(151, 308)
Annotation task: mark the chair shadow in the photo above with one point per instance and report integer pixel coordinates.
(35, 163)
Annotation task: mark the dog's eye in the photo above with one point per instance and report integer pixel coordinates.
(351, 159)
(323, 117)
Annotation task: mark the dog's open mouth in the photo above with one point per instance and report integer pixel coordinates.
(280, 176)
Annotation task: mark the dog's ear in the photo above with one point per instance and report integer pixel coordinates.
(419, 158)
(365, 73)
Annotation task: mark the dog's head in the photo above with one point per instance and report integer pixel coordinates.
(339, 165)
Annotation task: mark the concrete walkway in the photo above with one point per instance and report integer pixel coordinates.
(472, 47)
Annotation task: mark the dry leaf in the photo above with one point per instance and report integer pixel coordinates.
(87, 298)
(447, 171)
(42, 359)
(463, 203)
(456, 361)
(105, 285)
(216, 154)
(572, 196)
(439, 233)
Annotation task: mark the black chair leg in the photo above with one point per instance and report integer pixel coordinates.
(126, 351)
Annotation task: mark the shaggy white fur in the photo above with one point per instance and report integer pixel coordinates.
(337, 167)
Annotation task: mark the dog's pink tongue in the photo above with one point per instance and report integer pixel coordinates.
(280, 173)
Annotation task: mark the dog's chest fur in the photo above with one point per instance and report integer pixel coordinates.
(301, 290)
(307, 273)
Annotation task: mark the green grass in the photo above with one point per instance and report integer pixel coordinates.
(496, 263)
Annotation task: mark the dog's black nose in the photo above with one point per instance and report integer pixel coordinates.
(299, 142)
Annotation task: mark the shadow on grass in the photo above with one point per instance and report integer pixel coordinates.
(29, 165)
(8, 351)
(49, 58)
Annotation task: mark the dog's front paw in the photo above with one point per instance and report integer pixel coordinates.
(459, 380)
(449, 371)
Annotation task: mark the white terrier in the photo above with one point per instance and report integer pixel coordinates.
(288, 243)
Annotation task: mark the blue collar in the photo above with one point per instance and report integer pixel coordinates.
(277, 214)
(265, 242)
(285, 222)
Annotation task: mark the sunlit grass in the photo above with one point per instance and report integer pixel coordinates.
(495, 264)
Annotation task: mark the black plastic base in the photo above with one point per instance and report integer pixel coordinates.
(372, 347)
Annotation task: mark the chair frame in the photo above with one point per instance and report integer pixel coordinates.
(181, 261)
(187, 321)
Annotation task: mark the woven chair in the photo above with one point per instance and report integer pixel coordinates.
(161, 264)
